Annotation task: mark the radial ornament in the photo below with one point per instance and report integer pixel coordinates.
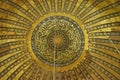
(59, 40)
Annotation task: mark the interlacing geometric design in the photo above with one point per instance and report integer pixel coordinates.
(59, 39)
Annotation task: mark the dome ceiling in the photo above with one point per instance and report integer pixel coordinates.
(59, 40)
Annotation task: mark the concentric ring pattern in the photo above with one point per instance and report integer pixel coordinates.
(59, 39)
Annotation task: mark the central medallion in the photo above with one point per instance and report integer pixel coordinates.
(57, 41)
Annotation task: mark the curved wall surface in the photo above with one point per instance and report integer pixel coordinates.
(59, 39)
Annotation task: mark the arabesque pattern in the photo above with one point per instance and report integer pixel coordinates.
(99, 23)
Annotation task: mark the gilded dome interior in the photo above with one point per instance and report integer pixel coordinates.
(59, 39)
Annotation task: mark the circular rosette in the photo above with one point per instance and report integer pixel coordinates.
(57, 41)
